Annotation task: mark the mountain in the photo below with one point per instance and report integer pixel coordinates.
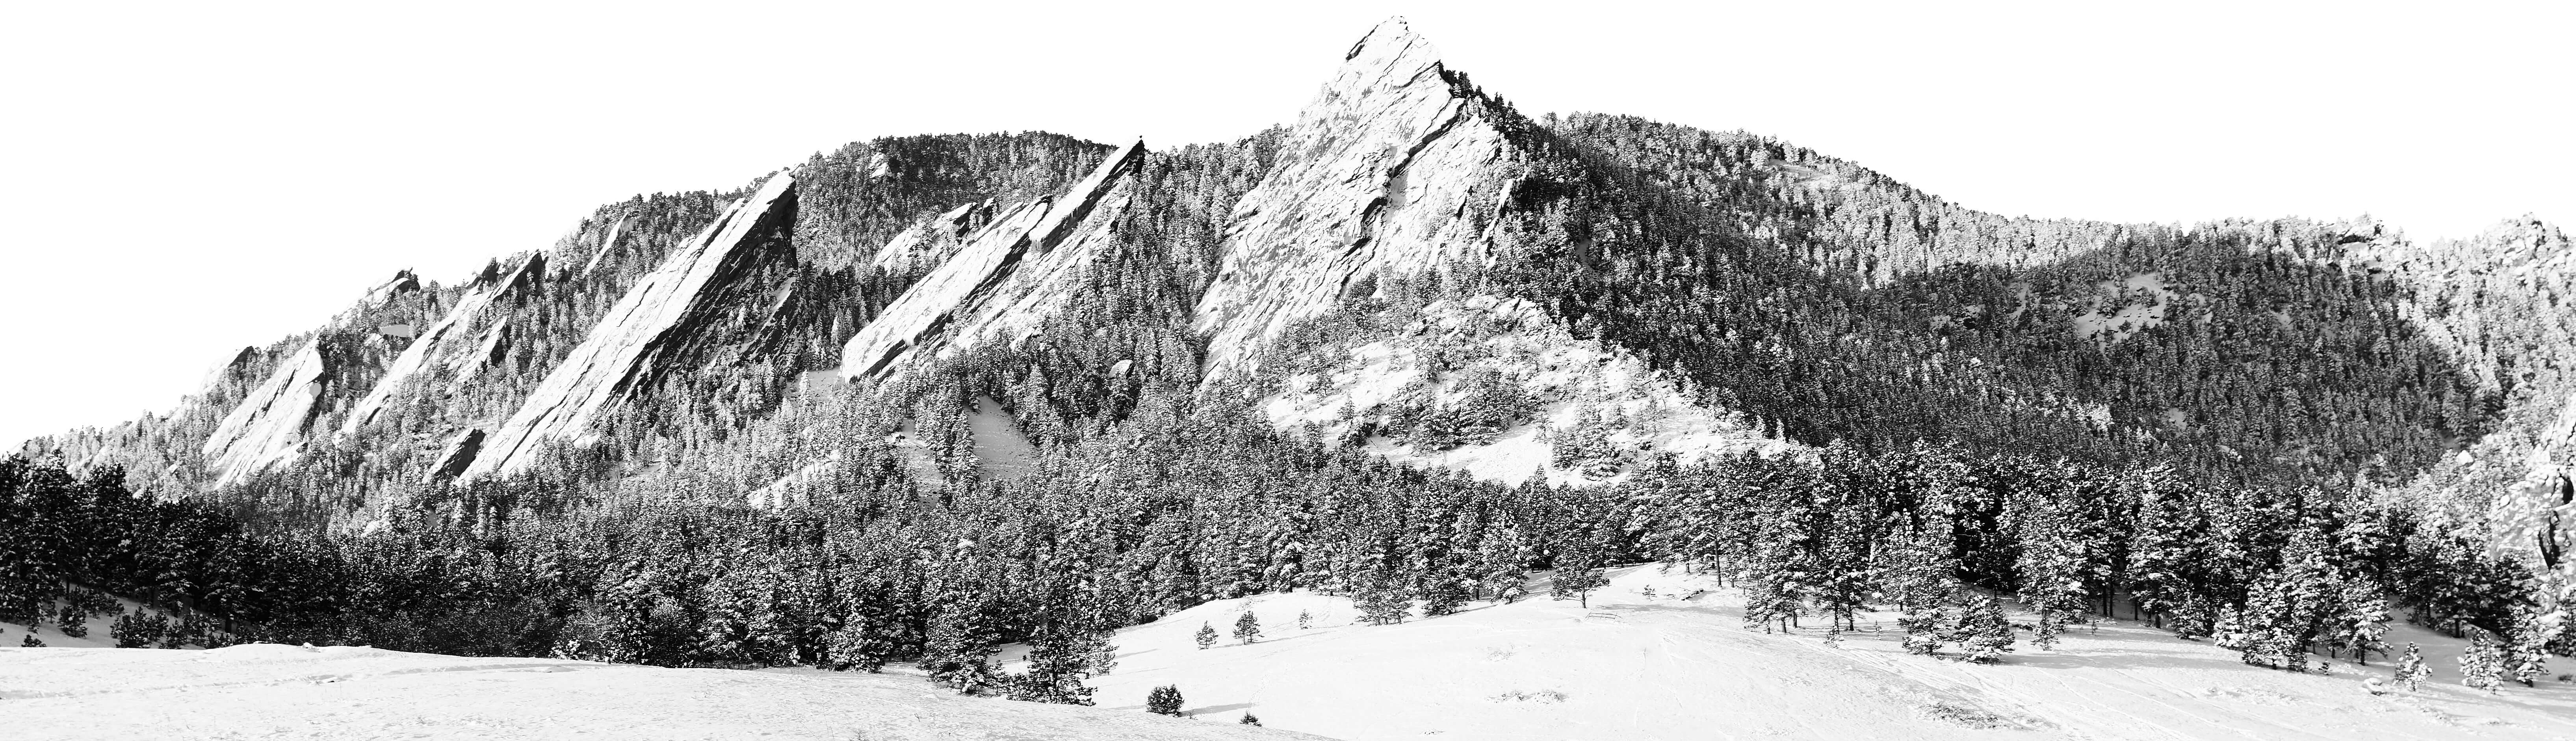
(920, 396)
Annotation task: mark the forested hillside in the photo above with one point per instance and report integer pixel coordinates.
(2272, 434)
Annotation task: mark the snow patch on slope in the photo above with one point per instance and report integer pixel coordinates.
(1491, 386)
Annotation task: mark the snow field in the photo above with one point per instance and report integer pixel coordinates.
(1677, 666)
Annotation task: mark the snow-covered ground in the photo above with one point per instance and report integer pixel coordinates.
(1672, 666)
(273, 691)
(1633, 666)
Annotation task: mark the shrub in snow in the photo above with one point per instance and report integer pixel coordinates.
(1164, 700)
(30, 642)
(1305, 620)
(1248, 720)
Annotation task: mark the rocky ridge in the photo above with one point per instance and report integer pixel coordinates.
(652, 318)
(1391, 170)
(1006, 278)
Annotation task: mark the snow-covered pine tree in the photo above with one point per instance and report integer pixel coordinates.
(1983, 634)
(1164, 700)
(2360, 621)
(2527, 656)
(1921, 583)
(1305, 620)
(1443, 596)
(1247, 629)
(2482, 665)
(1206, 637)
(1578, 582)
(2410, 667)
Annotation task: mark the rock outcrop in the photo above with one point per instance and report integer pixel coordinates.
(1393, 169)
(935, 238)
(269, 426)
(1005, 280)
(458, 454)
(655, 318)
(441, 340)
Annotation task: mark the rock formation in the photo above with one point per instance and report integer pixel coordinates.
(1005, 280)
(1391, 170)
(268, 428)
(440, 340)
(655, 317)
(935, 238)
(459, 453)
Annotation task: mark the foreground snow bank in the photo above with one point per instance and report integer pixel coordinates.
(272, 691)
(1677, 663)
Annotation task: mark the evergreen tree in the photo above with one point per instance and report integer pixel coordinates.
(1206, 637)
(1982, 632)
(1164, 700)
(1578, 583)
(1248, 719)
(30, 642)
(1305, 620)
(2482, 665)
(2410, 667)
(1247, 629)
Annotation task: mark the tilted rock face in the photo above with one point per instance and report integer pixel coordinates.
(935, 238)
(654, 318)
(268, 428)
(1389, 171)
(458, 454)
(1007, 278)
(440, 340)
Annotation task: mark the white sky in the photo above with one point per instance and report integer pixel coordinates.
(182, 179)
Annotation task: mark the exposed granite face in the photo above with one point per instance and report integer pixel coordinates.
(441, 342)
(655, 318)
(1391, 170)
(1006, 279)
(268, 428)
(453, 460)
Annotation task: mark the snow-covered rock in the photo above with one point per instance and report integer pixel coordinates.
(1391, 170)
(268, 428)
(654, 317)
(441, 340)
(1009, 277)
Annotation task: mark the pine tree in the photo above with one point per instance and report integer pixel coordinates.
(1983, 633)
(1248, 720)
(2527, 658)
(1305, 620)
(30, 642)
(2410, 668)
(1206, 636)
(1164, 700)
(1444, 596)
(2482, 665)
(1579, 583)
(1247, 629)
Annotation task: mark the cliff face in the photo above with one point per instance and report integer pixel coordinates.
(1391, 170)
(1006, 277)
(269, 426)
(442, 344)
(651, 321)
